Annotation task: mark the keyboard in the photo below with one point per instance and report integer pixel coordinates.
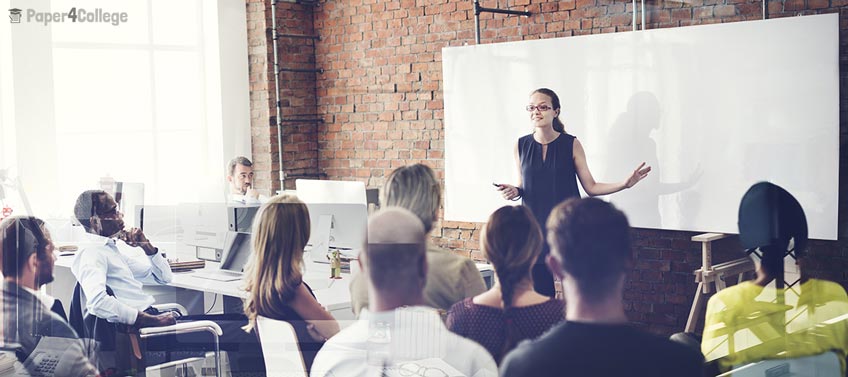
(219, 275)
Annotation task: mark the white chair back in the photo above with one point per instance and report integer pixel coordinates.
(279, 348)
(821, 365)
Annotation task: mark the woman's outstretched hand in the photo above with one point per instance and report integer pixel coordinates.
(640, 173)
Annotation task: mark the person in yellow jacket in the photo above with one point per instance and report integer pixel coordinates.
(782, 313)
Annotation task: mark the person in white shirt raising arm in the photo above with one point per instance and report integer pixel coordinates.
(113, 257)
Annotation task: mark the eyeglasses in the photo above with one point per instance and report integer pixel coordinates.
(111, 213)
(413, 369)
(541, 108)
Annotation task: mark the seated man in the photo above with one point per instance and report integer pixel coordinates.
(28, 324)
(240, 178)
(399, 336)
(768, 318)
(120, 259)
(123, 260)
(590, 254)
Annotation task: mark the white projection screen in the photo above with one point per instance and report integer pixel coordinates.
(713, 109)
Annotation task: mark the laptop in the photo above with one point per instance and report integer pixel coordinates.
(237, 251)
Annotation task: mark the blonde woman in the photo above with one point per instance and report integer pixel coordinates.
(512, 310)
(274, 280)
(450, 278)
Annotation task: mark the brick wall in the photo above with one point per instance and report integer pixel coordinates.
(381, 101)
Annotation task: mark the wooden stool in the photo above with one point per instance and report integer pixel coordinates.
(713, 274)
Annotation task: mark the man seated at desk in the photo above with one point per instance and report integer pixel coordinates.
(240, 178)
(123, 260)
(28, 324)
(781, 314)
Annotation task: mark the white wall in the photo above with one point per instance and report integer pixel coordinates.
(712, 108)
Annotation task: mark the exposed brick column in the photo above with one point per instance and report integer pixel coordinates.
(300, 118)
(263, 133)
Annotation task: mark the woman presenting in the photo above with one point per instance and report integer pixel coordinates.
(548, 161)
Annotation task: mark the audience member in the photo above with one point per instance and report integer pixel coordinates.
(450, 278)
(28, 324)
(240, 178)
(590, 254)
(783, 313)
(511, 311)
(124, 260)
(274, 280)
(398, 334)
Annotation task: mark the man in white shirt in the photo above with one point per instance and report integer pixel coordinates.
(240, 178)
(399, 336)
(29, 327)
(122, 260)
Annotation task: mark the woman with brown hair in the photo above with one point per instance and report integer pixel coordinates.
(274, 280)
(511, 310)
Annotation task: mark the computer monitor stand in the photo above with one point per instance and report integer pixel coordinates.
(321, 242)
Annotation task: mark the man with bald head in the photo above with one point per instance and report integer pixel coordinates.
(397, 333)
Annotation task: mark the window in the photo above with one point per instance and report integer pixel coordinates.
(142, 101)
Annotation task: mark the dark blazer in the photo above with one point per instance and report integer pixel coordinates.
(27, 321)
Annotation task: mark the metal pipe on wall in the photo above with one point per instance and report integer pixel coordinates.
(634, 16)
(478, 9)
(643, 14)
(477, 22)
(275, 38)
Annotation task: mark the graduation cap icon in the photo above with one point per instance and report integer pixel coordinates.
(15, 15)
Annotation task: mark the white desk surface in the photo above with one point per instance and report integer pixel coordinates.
(332, 294)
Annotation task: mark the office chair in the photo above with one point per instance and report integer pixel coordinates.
(124, 340)
(280, 348)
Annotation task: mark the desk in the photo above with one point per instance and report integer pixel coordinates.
(332, 294)
(198, 294)
(194, 293)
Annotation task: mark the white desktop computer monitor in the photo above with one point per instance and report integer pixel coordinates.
(160, 223)
(338, 214)
(130, 198)
(337, 225)
(322, 191)
(240, 217)
(205, 226)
